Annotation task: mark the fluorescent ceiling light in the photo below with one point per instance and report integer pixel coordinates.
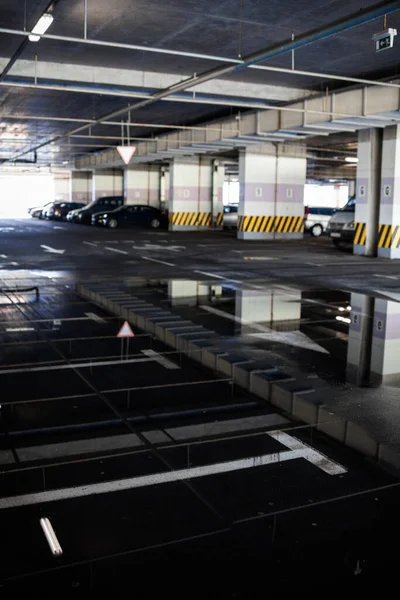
(41, 27)
(351, 159)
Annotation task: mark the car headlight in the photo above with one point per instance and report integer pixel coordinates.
(104, 216)
(349, 225)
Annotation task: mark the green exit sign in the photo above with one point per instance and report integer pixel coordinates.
(384, 43)
(384, 40)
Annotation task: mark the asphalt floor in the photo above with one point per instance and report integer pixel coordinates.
(138, 459)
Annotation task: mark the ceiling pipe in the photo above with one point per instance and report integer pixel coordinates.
(351, 21)
(211, 57)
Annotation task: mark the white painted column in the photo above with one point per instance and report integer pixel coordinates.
(389, 210)
(367, 192)
(190, 201)
(164, 188)
(62, 186)
(385, 364)
(272, 183)
(81, 186)
(142, 185)
(108, 182)
(218, 179)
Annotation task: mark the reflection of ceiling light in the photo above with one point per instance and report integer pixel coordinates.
(341, 308)
(343, 319)
(41, 27)
(65, 162)
(348, 307)
(351, 159)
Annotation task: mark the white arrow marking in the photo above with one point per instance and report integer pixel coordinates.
(53, 250)
(95, 317)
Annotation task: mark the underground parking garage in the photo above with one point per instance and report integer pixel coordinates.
(199, 291)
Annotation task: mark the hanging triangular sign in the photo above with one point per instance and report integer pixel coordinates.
(126, 153)
(125, 331)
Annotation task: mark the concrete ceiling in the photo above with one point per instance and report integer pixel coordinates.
(227, 29)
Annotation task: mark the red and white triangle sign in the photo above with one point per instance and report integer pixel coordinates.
(125, 331)
(126, 153)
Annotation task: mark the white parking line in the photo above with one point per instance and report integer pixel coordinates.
(162, 262)
(90, 244)
(168, 364)
(15, 329)
(300, 451)
(218, 276)
(386, 276)
(3, 255)
(116, 250)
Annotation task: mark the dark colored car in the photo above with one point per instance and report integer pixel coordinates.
(59, 210)
(84, 215)
(134, 215)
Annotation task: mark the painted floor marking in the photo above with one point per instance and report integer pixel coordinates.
(115, 250)
(90, 244)
(385, 276)
(94, 317)
(83, 365)
(168, 364)
(15, 329)
(296, 449)
(218, 276)
(3, 255)
(131, 440)
(162, 262)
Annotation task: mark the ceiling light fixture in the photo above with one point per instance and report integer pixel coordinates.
(41, 27)
(351, 159)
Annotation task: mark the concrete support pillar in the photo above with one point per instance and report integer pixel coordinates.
(62, 185)
(81, 186)
(272, 180)
(389, 210)
(218, 179)
(367, 192)
(190, 201)
(142, 185)
(108, 182)
(385, 364)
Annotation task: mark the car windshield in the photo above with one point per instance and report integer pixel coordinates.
(350, 206)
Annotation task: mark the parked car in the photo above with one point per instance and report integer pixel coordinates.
(84, 215)
(38, 211)
(230, 216)
(316, 219)
(58, 210)
(341, 226)
(130, 216)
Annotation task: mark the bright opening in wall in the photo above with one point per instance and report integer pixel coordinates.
(20, 191)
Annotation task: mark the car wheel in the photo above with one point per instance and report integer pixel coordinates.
(155, 223)
(113, 223)
(317, 230)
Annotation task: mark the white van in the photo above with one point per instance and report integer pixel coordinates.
(341, 226)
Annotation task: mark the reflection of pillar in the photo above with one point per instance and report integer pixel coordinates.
(360, 338)
(218, 179)
(62, 185)
(81, 186)
(272, 309)
(190, 202)
(367, 192)
(385, 363)
(108, 182)
(142, 185)
(185, 292)
(164, 188)
(272, 184)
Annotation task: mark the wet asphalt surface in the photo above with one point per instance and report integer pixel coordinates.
(77, 420)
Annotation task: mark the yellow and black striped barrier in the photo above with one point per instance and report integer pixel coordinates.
(220, 220)
(192, 219)
(256, 224)
(360, 234)
(389, 236)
